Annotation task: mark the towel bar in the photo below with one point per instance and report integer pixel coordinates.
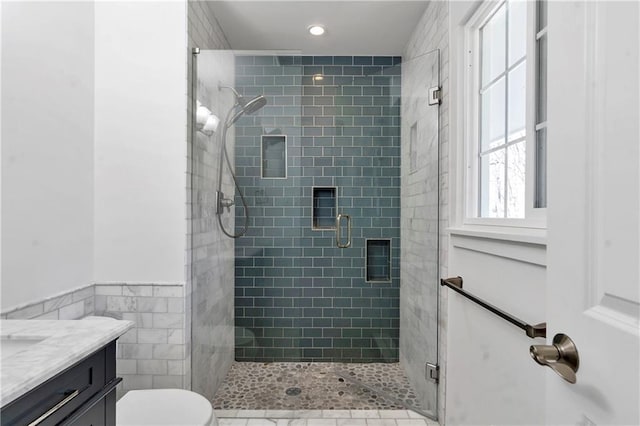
(533, 331)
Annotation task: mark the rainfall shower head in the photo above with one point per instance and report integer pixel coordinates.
(245, 107)
(254, 104)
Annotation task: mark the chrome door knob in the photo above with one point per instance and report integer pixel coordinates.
(562, 356)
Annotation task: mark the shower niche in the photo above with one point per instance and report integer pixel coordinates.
(324, 208)
(274, 156)
(378, 258)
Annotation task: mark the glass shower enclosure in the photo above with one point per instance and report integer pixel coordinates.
(339, 176)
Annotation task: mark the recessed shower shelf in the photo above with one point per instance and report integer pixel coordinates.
(324, 208)
(274, 156)
(378, 258)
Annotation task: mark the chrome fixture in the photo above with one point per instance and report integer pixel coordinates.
(55, 408)
(432, 372)
(435, 95)
(339, 242)
(223, 203)
(242, 106)
(239, 108)
(561, 356)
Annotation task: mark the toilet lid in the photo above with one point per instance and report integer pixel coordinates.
(163, 407)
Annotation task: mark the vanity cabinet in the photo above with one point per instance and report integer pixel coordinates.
(81, 395)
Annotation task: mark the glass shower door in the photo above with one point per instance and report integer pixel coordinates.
(419, 292)
(340, 174)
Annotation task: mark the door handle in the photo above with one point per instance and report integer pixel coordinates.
(338, 232)
(561, 356)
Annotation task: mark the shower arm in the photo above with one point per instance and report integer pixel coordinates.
(235, 92)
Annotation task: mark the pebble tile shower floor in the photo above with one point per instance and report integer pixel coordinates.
(315, 386)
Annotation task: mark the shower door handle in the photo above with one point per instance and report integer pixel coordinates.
(338, 236)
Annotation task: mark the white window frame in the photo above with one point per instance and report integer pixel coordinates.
(534, 217)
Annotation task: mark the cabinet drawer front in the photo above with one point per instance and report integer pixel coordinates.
(87, 377)
(93, 417)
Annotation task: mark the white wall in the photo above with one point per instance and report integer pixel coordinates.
(140, 141)
(491, 378)
(47, 149)
(93, 145)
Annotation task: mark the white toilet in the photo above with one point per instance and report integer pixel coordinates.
(164, 407)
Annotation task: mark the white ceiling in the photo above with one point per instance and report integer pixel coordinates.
(352, 27)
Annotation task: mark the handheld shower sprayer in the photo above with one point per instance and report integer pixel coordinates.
(241, 106)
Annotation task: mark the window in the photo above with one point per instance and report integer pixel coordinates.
(506, 113)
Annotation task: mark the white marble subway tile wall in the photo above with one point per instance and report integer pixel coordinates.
(432, 32)
(70, 305)
(152, 354)
(210, 254)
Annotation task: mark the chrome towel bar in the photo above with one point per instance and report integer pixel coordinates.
(533, 331)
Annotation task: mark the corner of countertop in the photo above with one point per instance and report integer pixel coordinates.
(65, 343)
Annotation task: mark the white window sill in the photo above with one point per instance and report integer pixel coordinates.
(527, 245)
(536, 236)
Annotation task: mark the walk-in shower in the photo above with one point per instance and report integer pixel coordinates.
(315, 150)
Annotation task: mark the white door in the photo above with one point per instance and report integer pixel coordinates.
(594, 209)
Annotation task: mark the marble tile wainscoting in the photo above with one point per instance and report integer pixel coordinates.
(150, 355)
(71, 305)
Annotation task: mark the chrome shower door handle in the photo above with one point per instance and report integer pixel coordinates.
(338, 232)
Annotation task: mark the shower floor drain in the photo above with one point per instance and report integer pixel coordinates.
(293, 391)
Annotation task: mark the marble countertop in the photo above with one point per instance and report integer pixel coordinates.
(58, 345)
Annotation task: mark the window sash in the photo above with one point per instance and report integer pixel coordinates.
(534, 217)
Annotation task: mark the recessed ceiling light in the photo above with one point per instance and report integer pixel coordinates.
(316, 30)
(318, 77)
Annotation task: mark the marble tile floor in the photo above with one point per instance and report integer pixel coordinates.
(315, 386)
(321, 418)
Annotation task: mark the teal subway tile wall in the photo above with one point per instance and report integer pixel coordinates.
(298, 297)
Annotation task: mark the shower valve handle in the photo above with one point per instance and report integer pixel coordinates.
(222, 202)
(226, 202)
